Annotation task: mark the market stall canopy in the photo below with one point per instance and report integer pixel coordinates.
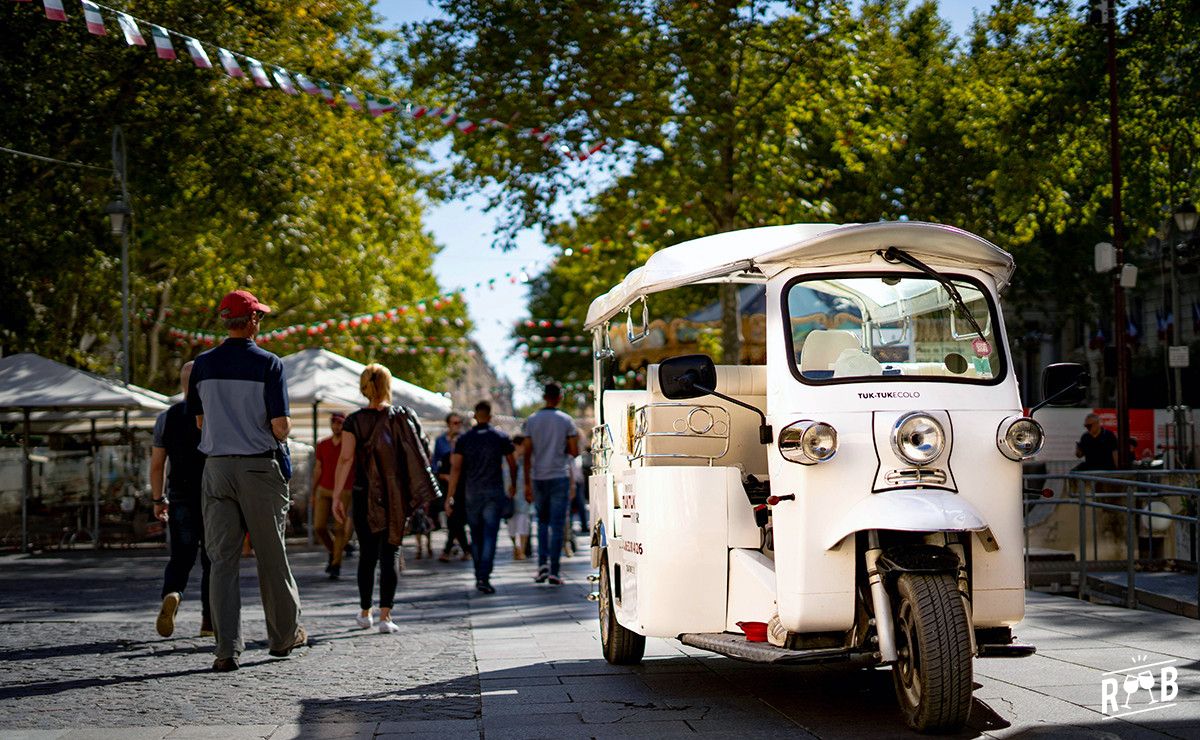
(35, 383)
(330, 381)
(750, 255)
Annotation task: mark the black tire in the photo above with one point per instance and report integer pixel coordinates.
(621, 646)
(933, 673)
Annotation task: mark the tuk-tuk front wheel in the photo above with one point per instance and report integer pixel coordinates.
(621, 646)
(933, 642)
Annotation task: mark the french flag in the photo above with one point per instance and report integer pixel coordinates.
(162, 42)
(95, 21)
(54, 10)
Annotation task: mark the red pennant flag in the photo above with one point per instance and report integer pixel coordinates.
(466, 126)
(54, 10)
(95, 21)
(199, 56)
(133, 34)
(229, 62)
(327, 92)
(162, 42)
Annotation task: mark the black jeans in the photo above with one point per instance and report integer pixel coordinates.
(456, 524)
(186, 525)
(373, 550)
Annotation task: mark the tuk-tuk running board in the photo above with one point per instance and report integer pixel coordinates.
(737, 646)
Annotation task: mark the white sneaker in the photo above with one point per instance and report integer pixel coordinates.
(365, 622)
(388, 627)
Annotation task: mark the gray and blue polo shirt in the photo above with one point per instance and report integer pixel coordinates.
(238, 387)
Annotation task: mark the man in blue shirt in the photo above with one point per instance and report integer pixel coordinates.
(238, 395)
(477, 459)
(553, 441)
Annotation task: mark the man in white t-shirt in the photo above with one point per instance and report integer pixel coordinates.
(553, 442)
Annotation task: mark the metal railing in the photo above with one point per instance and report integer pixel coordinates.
(1089, 493)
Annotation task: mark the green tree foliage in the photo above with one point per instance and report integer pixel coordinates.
(735, 114)
(311, 207)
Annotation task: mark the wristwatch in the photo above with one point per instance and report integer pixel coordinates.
(160, 501)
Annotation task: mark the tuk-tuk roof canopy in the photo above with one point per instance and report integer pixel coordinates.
(739, 256)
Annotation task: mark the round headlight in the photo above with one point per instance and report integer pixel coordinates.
(1020, 438)
(808, 442)
(917, 438)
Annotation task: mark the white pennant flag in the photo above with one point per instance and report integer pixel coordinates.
(199, 55)
(95, 21)
(351, 99)
(284, 82)
(54, 10)
(162, 42)
(257, 73)
(229, 62)
(133, 34)
(306, 84)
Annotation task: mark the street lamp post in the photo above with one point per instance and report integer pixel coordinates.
(1186, 219)
(121, 215)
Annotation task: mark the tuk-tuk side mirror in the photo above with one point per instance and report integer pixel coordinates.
(687, 376)
(692, 376)
(1064, 384)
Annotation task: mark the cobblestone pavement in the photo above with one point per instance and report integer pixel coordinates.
(79, 658)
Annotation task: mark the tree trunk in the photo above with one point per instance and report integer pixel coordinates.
(731, 325)
(155, 347)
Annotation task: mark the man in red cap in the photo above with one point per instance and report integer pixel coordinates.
(323, 494)
(238, 394)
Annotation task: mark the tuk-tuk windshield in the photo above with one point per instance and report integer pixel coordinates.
(890, 325)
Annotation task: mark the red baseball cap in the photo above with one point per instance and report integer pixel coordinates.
(240, 303)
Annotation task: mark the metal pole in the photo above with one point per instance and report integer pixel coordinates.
(312, 467)
(1083, 589)
(1118, 238)
(27, 484)
(95, 490)
(118, 157)
(1130, 549)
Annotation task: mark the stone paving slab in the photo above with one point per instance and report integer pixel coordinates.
(79, 658)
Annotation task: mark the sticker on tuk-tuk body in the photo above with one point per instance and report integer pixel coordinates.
(983, 366)
(982, 347)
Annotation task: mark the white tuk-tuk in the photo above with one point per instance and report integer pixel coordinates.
(859, 496)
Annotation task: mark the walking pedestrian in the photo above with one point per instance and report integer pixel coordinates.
(553, 441)
(519, 522)
(324, 471)
(478, 458)
(238, 394)
(176, 460)
(456, 520)
(392, 478)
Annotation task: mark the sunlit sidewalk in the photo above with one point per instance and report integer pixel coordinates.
(79, 658)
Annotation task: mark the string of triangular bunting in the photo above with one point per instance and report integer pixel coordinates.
(267, 75)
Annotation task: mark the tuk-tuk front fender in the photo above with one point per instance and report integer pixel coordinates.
(909, 511)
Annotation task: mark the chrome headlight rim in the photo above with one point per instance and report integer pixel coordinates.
(1008, 448)
(795, 442)
(939, 447)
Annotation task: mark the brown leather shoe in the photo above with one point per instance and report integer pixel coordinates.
(301, 641)
(225, 665)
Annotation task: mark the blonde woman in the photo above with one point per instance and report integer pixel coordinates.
(374, 547)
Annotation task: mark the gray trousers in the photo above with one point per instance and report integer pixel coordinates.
(240, 495)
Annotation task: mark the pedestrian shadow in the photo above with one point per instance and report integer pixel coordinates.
(46, 652)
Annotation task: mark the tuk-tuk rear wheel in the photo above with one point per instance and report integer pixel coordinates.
(621, 646)
(933, 672)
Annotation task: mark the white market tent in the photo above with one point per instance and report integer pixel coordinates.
(749, 255)
(33, 385)
(325, 381)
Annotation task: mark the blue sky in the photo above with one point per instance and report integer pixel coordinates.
(465, 231)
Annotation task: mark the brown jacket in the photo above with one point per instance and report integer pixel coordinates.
(399, 477)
